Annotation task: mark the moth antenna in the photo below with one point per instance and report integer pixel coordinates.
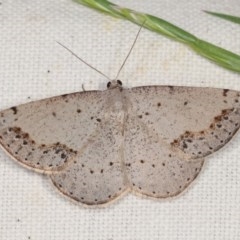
(75, 55)
(134, 42)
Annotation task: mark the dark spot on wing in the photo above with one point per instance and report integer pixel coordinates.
(15, 110)
(185, 145)
(58, 151)
(225, 91)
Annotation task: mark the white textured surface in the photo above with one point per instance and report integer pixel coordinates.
(29, 206)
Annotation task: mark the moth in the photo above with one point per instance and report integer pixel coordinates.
(97, 145)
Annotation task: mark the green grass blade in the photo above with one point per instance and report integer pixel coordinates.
(225, 16)
(216, 54)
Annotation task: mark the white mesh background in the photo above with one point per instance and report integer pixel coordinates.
(34, 66)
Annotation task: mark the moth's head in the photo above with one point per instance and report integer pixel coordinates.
(114, 84)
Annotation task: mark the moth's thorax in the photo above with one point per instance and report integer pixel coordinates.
(117, 105)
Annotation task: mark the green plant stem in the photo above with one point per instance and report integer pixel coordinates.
(220, 56)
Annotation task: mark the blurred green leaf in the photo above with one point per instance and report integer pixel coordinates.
(225, 16)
